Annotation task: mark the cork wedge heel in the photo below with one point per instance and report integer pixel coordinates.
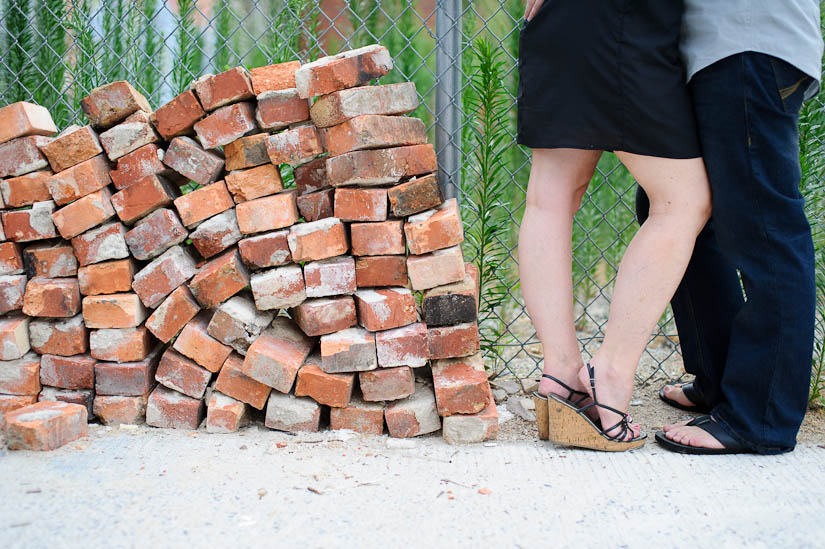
(575, 398)
(569, 425)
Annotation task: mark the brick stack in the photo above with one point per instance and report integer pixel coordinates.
(135, 302)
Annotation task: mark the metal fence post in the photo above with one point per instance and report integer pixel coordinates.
(448, 94)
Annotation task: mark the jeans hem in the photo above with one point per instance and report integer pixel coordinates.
(719, 417)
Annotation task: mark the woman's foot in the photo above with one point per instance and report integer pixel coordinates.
(612, 391)
(568, 387)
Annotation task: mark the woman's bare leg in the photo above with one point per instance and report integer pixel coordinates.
(558, 180)
(650, 271)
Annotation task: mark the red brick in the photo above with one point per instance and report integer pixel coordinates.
(142, 198)
(405, 346)
(75, 372)
(112, 103)
(83, 397)
(187, 158)
(11, 262)
(312, 176)
(265, 250)
(118, 410)
(382, 238)
(113, 311)
(385, 308)
(196, 343)
(63, 336)
(31, 224)
(472, 272)
(45, 426)
(381, 270)
(9, 403)
(345, 70)
(224, 414)
(226, 125)
(362, 417)
(453, 341)
(14, 337)
(350, 350)
(246, 152)
(216, 234)
(128, 136)
(238, 323)
(172, 315)
(121, 344)
(147, 160)
(101, 244)
(165, 273)
(294, 146)
(414, 196)
(12, 290)
(155, 233)
(434, 229)
(325, 315)
(278, 109)
(49, 260)
(234, 383)
(222, 89)
(26, 189)
(183, 375)
(387, 384)
(203, 203)
(168, 409)
(328, 389)
(328, 277)
(219, 279)
(127, 378)
(73, 146)
(451, 304)
(52, 297)
(461, 385)
(21, 119)
(374, 132)
(78, 181)
(413, 416)
(22, 155)
(254, 183)
(83, 214)
(340, 106)
(267, 213)
(436, 268)
(280, 76)
(465, 429)
(317, 205)
(278, 288)
(361, 204)
(275, 357)
(318, 239)
(178, 116)
(291, 414)
(21, 375)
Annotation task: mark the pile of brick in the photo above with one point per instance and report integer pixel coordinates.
(126, 300)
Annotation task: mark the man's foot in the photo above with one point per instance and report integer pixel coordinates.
(676, 393)
(684, 396)
(691, 436)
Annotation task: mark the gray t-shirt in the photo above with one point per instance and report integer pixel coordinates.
(787, 29)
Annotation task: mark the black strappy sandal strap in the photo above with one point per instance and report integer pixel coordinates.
(625, 420)
(567, 387)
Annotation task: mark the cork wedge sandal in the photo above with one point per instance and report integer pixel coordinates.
(541, 403)
(570, 426)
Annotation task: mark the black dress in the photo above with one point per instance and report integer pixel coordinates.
(605, 75)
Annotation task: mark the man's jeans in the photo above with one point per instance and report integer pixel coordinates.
(751, 355)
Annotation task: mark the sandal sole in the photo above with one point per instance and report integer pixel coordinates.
(570, 428)
(542, 415)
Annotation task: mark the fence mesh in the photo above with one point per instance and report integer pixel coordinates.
(57, 51)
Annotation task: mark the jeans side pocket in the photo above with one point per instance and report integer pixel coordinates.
(791, 84)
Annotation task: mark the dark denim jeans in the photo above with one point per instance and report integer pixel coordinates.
(751, 355)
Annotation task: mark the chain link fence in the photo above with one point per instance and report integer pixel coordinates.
(56, 51)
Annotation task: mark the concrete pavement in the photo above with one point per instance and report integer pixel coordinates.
(144, 487)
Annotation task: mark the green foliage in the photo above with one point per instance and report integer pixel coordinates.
(115, 40)
(50, 79)
(20, 77)
(86, 75)
(364, 16)
(225, 26)
(148, 56)
(484, 188)
(188, 60)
